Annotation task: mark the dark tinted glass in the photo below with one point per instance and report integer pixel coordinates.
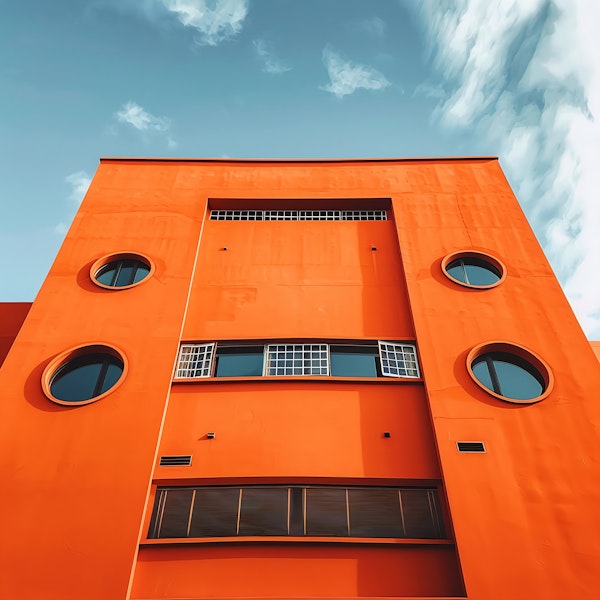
(473, 271)
(482, 372)
(264, 511)
(375, 513)
(176, 515)
(326, 512)
(351, 361)
(86, 377)
(240, 362)
(120, 273)
(508, 375)
(421, 516)
(215, 512)
(517, 382)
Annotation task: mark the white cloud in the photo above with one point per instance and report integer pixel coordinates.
(213, 21)
(525, 75)
(61, 228)
(140, 119)
(80, 182)
(346, 77)
(270, 63)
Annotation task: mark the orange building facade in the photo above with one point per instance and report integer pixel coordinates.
(299, 379)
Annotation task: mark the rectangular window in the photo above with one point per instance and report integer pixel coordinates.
(398, 360)
(195, 360)
(239, 361)
(297, 359)
(296, 511)
(298, 215)
(354, 361)
(386, 359)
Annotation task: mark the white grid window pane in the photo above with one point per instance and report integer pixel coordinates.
(398, 360)
(297, 359)
(298, 215)
(195, 360)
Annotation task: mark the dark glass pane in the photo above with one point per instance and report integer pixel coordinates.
(326, 512)
(78, 380)
(455, 269)
(125, 276)
(113, 373)
(215, 512)
(517, 382)
(126, 272)
(76, 384)
(106, 274)
(349, 362)
(481, 371)
(176, 514)
(375, 513)
(264, 511)
(141, 272)
(480, 272)
(420, 518)
(296, 511)
(239, 362)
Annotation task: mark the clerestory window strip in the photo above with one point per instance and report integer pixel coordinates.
(298, 215)
(296, 511)
(346, 359)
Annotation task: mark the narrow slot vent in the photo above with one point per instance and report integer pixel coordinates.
(176, 461)
(470, 447)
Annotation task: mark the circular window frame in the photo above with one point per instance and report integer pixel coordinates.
(61, 360)
(482, 256)
(108, 258)
(519, 352)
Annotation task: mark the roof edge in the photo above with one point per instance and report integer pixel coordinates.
(294, 160)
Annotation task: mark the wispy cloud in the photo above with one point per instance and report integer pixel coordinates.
(79, 182)
(270, 63)
(526, 77)
(346, 77)
(214, 21)
(136, 116)
(146, 123)
(374, 26)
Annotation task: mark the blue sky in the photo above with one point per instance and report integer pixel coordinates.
(519, 79)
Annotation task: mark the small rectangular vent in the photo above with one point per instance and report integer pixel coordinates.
(470, 447)
(298, 215)
(176, 461)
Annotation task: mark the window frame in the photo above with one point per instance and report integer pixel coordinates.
(475, 255)
(121, 257)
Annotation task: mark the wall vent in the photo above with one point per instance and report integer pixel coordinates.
(176, 461)
(470, 447)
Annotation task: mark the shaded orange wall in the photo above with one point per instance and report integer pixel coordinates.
(525, 513)
(320, 570)
(299, 279)
(299, 430)
(12, 315)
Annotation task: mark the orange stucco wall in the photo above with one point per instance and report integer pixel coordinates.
(521, 516)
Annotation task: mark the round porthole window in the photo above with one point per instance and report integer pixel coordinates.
(120, 270)
(510, 372)
(474, 269)
(83, 375)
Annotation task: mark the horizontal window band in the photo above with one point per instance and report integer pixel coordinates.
(298, 215)
(306, 378)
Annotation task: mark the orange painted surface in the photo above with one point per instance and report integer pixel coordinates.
(523, 515)
(296, 571)
(596, 348)
(12, 315)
